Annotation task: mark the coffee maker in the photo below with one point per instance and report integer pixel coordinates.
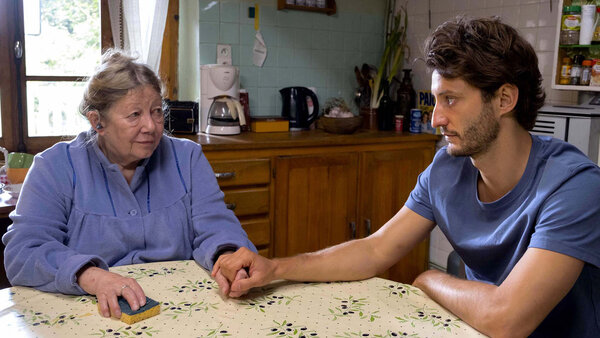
(220, 110)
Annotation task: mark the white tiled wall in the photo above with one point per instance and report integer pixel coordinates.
(533, 19)
(303, 48)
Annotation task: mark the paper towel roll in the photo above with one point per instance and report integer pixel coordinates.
(587, 24)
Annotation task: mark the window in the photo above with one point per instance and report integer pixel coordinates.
(62, 38)
(61, 43)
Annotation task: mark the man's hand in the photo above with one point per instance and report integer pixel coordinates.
(107, 286)
(224, 285)
(261, 270)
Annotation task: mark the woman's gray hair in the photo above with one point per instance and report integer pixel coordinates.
(117, 74)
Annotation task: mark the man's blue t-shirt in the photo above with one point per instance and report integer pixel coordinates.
(555, 206)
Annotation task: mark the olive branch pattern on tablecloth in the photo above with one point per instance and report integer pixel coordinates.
(387, 334)
(217, 332)
(289, 330)
(426, 314)
(174, 310)
(400, 290)
(139, 273)
(263, 302)
(205, 284)
(86, 299)
(35, 318)
(127, 331)
(350, 306)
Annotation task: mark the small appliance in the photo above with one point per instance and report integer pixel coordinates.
(220, 109)
(181, 117)
(297, 106)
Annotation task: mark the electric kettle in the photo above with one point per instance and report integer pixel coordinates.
(296, 106)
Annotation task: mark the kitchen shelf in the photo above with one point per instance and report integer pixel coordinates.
(580, 88)
(579, 46)
(329, 9)
(561, 51)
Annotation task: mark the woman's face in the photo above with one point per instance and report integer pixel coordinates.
(132, 127)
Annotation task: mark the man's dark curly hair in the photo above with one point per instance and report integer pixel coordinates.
(487, 53)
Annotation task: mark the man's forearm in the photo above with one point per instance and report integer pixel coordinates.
(476, 303)
(347, 261)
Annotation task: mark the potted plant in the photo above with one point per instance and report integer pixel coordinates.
(391, 62)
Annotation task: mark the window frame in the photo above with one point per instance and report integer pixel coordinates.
(14, 101)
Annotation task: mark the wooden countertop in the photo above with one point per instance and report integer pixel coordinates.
(250, 140)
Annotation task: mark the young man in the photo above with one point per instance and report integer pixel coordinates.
(522, 211)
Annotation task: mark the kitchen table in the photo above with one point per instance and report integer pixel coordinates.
(191, 307)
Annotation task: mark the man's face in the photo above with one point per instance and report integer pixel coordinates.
(468, 124)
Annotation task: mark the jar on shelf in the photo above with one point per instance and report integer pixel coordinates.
(595, 80)
(570, 25)
(586, 73)
(565, 71)
(576, 69)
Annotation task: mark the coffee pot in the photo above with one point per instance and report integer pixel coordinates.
(297, 106)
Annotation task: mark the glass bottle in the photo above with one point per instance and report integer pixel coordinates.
(576, 69)
(586, 73)
(570, 25)
(406, 98)
(385, 113)
(565, 71)
(596, 35)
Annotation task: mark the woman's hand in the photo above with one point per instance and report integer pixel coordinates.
(107, 286)
(225, 286)
(260, 270)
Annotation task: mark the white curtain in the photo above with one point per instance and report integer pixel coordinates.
(138, 27)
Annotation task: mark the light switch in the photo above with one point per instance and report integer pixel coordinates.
(224, 54)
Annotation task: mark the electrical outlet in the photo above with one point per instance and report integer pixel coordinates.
(224, 54)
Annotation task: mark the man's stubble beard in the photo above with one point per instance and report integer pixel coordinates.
(479, 135)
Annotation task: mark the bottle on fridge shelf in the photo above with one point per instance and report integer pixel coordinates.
(586, 73)
(595, 80)
(565, 71)
(576, 69)
(596, 34)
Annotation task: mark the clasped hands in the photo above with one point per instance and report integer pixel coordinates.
(236, 273)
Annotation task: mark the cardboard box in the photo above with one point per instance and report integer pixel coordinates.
(267, 125)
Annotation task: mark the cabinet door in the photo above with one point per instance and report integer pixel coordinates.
(386, 180)
(315, 201)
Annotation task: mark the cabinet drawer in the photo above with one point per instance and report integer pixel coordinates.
(246, 202)
(243, 172)
(258, 230)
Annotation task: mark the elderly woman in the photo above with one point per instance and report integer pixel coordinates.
(120, 193)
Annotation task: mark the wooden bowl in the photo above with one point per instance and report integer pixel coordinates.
(340, 125)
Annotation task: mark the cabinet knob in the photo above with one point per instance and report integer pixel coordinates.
(231, 206)
(230, 174)
(368, 226)
(352, 230)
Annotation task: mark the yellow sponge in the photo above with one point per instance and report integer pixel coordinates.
(150, 309)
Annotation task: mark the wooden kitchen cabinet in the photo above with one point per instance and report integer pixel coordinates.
(315, 201)
(387, 178)
(304, 191)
